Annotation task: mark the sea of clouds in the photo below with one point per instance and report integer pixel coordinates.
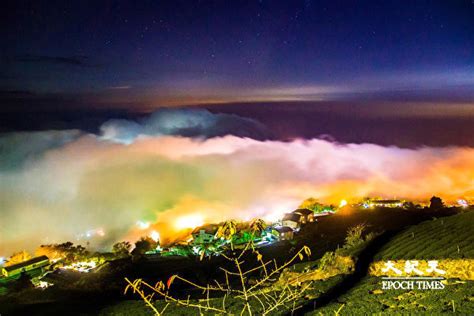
(62, 185)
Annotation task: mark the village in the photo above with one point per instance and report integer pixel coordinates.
(207, 240)
(204, 241)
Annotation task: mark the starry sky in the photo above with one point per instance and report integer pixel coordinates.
(380, 57)
(113, 112)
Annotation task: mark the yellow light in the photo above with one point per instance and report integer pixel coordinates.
(343, 203)
(155, 236)
(189, 221)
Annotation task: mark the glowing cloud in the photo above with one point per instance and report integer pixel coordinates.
(155, 236)
(189, 221)
(176, 183)
(183, 122)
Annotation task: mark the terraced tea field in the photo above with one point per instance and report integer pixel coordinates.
(443, 238)
(449, 240)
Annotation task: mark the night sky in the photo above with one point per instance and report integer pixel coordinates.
(341, 64)
(118, 112)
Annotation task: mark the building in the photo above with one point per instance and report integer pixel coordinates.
(285, 232)
(204, 234)
(292, 220)
(307, 216)
(386, 203)
(34, 264)
(324, 213)
(270, 234)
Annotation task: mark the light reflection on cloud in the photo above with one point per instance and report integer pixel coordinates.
(88, 182)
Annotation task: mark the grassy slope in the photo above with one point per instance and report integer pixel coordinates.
(451, 237)
(323, 236)
(361, 300)
(434, 239)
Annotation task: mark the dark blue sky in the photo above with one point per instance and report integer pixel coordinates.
(150, 53)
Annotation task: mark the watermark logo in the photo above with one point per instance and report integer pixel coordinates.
(412, 276)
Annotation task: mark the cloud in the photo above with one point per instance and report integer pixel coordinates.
(76, 61)
(67, 182)
(311, 92)
(119, 87)
(16, 94)
(16, 149)
(183, 122)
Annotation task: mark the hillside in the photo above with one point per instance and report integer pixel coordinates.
(396, 234)
(441, 238)
(449, 240)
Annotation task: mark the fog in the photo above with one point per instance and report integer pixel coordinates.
(65, 185)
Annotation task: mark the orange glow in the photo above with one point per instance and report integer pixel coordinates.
(189, 221)
(174, 184)
(155, 236)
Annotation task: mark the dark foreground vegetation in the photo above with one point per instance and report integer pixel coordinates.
(387, 234)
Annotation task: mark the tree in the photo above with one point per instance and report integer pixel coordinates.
(257, 226)
(436, 203)
(314, 205)
(122, 248)
(354, 235)
(66, 251)
(227, 230)
(143, 245)
(18, 257)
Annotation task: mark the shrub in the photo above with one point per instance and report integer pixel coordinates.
(255, 298)
(354, 235)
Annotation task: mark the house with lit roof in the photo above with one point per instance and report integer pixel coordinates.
(306, 215)
(37, 264)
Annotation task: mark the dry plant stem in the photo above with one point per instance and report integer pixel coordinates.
(269, 299)
(135, 285)
(170, 298)
(242, 280)
(277, 270)
(204, 288)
